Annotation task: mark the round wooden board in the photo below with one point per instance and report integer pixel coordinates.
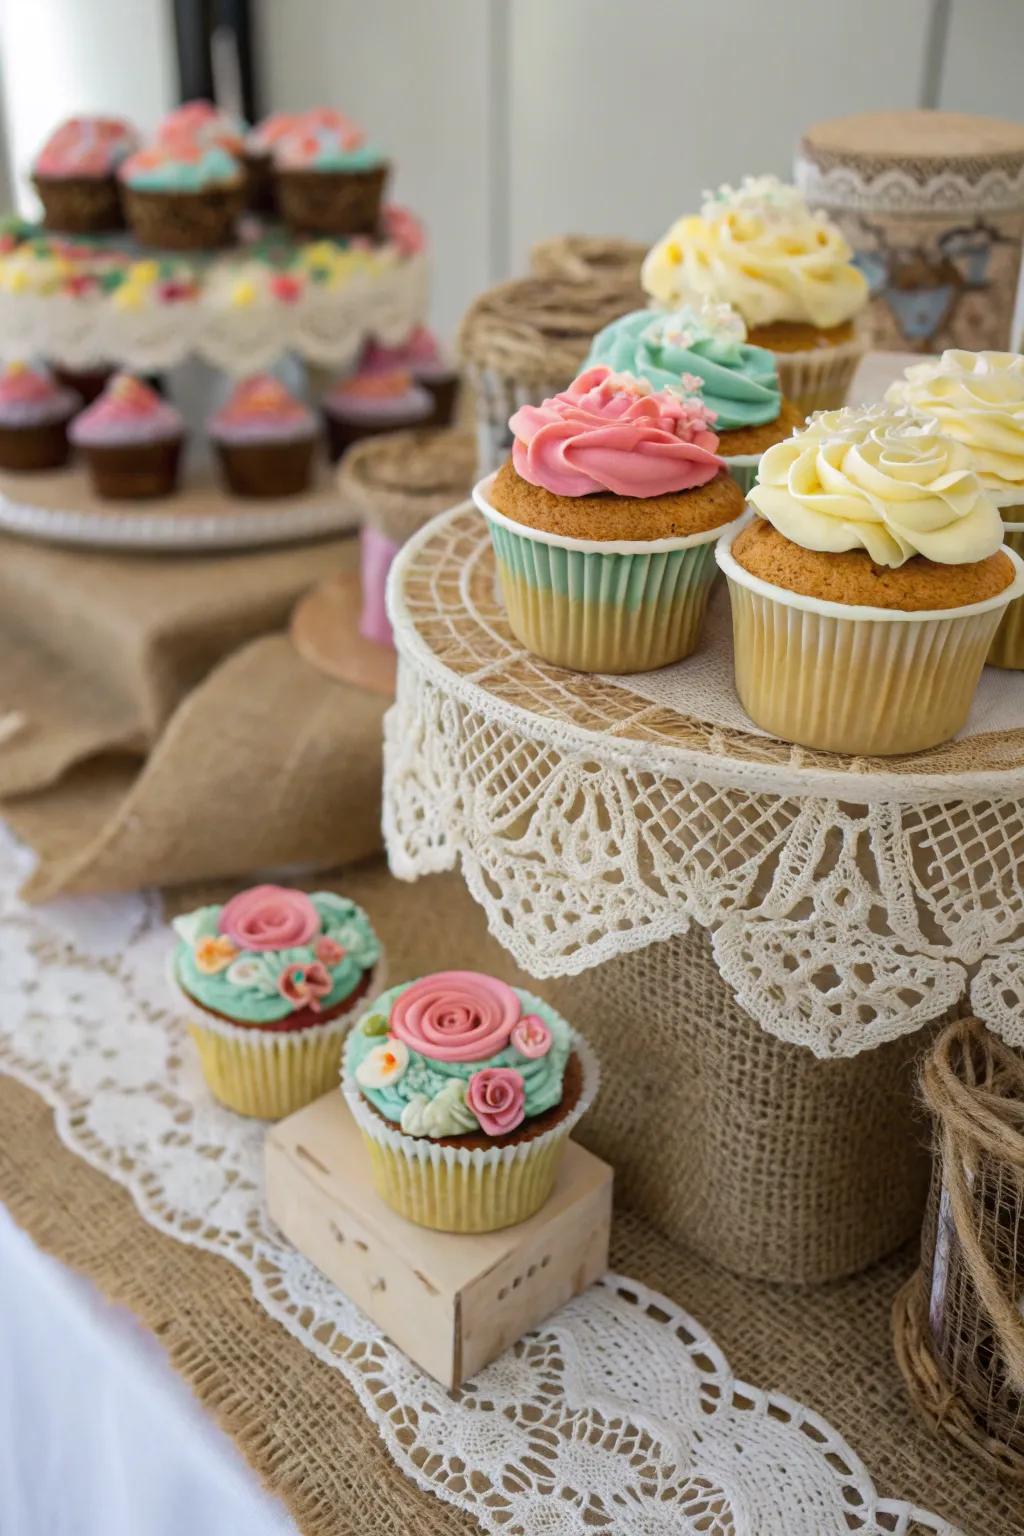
(325, 632)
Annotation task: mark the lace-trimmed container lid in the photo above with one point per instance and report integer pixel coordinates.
(933, 205)
(589, 258)
(400, 480)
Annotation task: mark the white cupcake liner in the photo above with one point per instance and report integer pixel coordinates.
(819, 378)
(842, 678)
(1007, 648)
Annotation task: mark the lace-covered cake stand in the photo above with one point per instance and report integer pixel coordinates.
(753, 934)
(61, 507)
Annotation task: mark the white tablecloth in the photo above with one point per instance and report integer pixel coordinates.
(98, 1436)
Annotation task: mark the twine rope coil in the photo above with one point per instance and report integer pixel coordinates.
(974, 1085)
(535, 330)
(584, 258)
(400, 480)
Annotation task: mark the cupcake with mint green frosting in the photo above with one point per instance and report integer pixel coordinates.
(270, 980)
(182, 193)
(465, 1090)
(702, 347)
(328, 179)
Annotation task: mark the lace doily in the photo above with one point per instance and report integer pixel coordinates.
(849, 900)
(619, 1413)
(892, 190)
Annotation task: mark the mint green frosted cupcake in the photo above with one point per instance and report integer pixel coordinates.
(702, 347)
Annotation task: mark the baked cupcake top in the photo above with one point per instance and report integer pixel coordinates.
(324, 140)
(180, 164)
(205, 124)
(880, 482)
(379, 396)
(459, 1053)
(271, 952)
(759, 248)
(128, 411)
(260, 410)
(86, 146)
(30, 397)
(701, 346)
(978, 398)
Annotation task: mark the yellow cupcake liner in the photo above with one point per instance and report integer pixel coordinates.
(866, 681)
(1007, 649)
(459, 1189)
(820, 378)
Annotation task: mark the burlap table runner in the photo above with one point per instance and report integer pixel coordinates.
(297, 1421)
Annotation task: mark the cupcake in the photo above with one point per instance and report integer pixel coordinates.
(34, 416)
(257, 156)
(978, 398)
(205, 124)
(372, 402)
(702, 346)
(421, 356)
(265, 439)
(788, 272)
(465, 1090)
(181, 195)
(604, 523)
(327, 179)
(270, 980)
(132, 441)
(75, 174)
(868, 589)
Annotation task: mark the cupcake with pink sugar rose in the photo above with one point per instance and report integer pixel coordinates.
(132, 440)
(421, 356)
(604, 522)
(265, 439)
(271, 980)
(34, 415)
(465, 1090)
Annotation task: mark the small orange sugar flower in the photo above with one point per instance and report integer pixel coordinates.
(214, 954)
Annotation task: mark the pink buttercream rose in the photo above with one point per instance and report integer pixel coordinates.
(269, 917)
(497, 1096)
(455, 1016)
(531, 1037)
(329, 951)
(305, 985)
(611, 432)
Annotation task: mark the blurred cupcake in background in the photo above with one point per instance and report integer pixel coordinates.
(867, 591)
(328, 179)
(421, 356)
(34, 416)
(132, 441)
(265, 439)
(205, 124)
(370, 402)
(75, 174)
(182, 195)
(978, 398)
(257, 156)
(789, 273)
(702, 347)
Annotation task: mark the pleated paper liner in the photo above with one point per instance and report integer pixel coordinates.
(1007, 649)
(819, 379)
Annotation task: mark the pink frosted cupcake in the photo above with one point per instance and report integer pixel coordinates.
(265, 439)
(75, 174)
(34, 416)
(132, 441)
(327, 178)
(257, 156)
(421, 356)
(371, 402)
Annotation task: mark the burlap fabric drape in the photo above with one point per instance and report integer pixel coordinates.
(157, 726)
(297, 1421)
(959, 1326)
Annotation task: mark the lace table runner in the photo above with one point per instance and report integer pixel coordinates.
(619, 1415)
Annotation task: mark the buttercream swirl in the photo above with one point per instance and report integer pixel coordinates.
(612, 432)
(271, 951)
(759, 248)
(205, 123)
(430, 1094)
(261, 409)
(978, 398)
(128, 411)
(700, 342)
(324, 140)
(896, 489)
(29, 397)
(180, 165)
(86, 146)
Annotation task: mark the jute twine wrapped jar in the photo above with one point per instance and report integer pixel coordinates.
(525, 340)
(958, 1324)
(589, 258)
(396, 483)
(933, 205)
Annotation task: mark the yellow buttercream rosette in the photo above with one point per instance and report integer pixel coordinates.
(761, 249)
(978, 399)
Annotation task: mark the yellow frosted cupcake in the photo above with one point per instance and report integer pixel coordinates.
(270, 980)
(867, 591)
(978, 398)
(787, 271)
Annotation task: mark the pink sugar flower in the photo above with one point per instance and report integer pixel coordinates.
(305, 985)
(329, 951)
(497, 1096)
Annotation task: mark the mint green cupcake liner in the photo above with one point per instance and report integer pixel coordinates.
(743, 468)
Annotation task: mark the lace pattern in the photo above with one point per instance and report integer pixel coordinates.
(620, 1413)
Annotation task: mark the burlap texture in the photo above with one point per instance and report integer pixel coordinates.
(534, 329)
(754, 1152)
(959, 1327)
(586, 258)
(398, 482)
(297, 1421)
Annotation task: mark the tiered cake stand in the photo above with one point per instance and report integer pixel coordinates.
(755, 937)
